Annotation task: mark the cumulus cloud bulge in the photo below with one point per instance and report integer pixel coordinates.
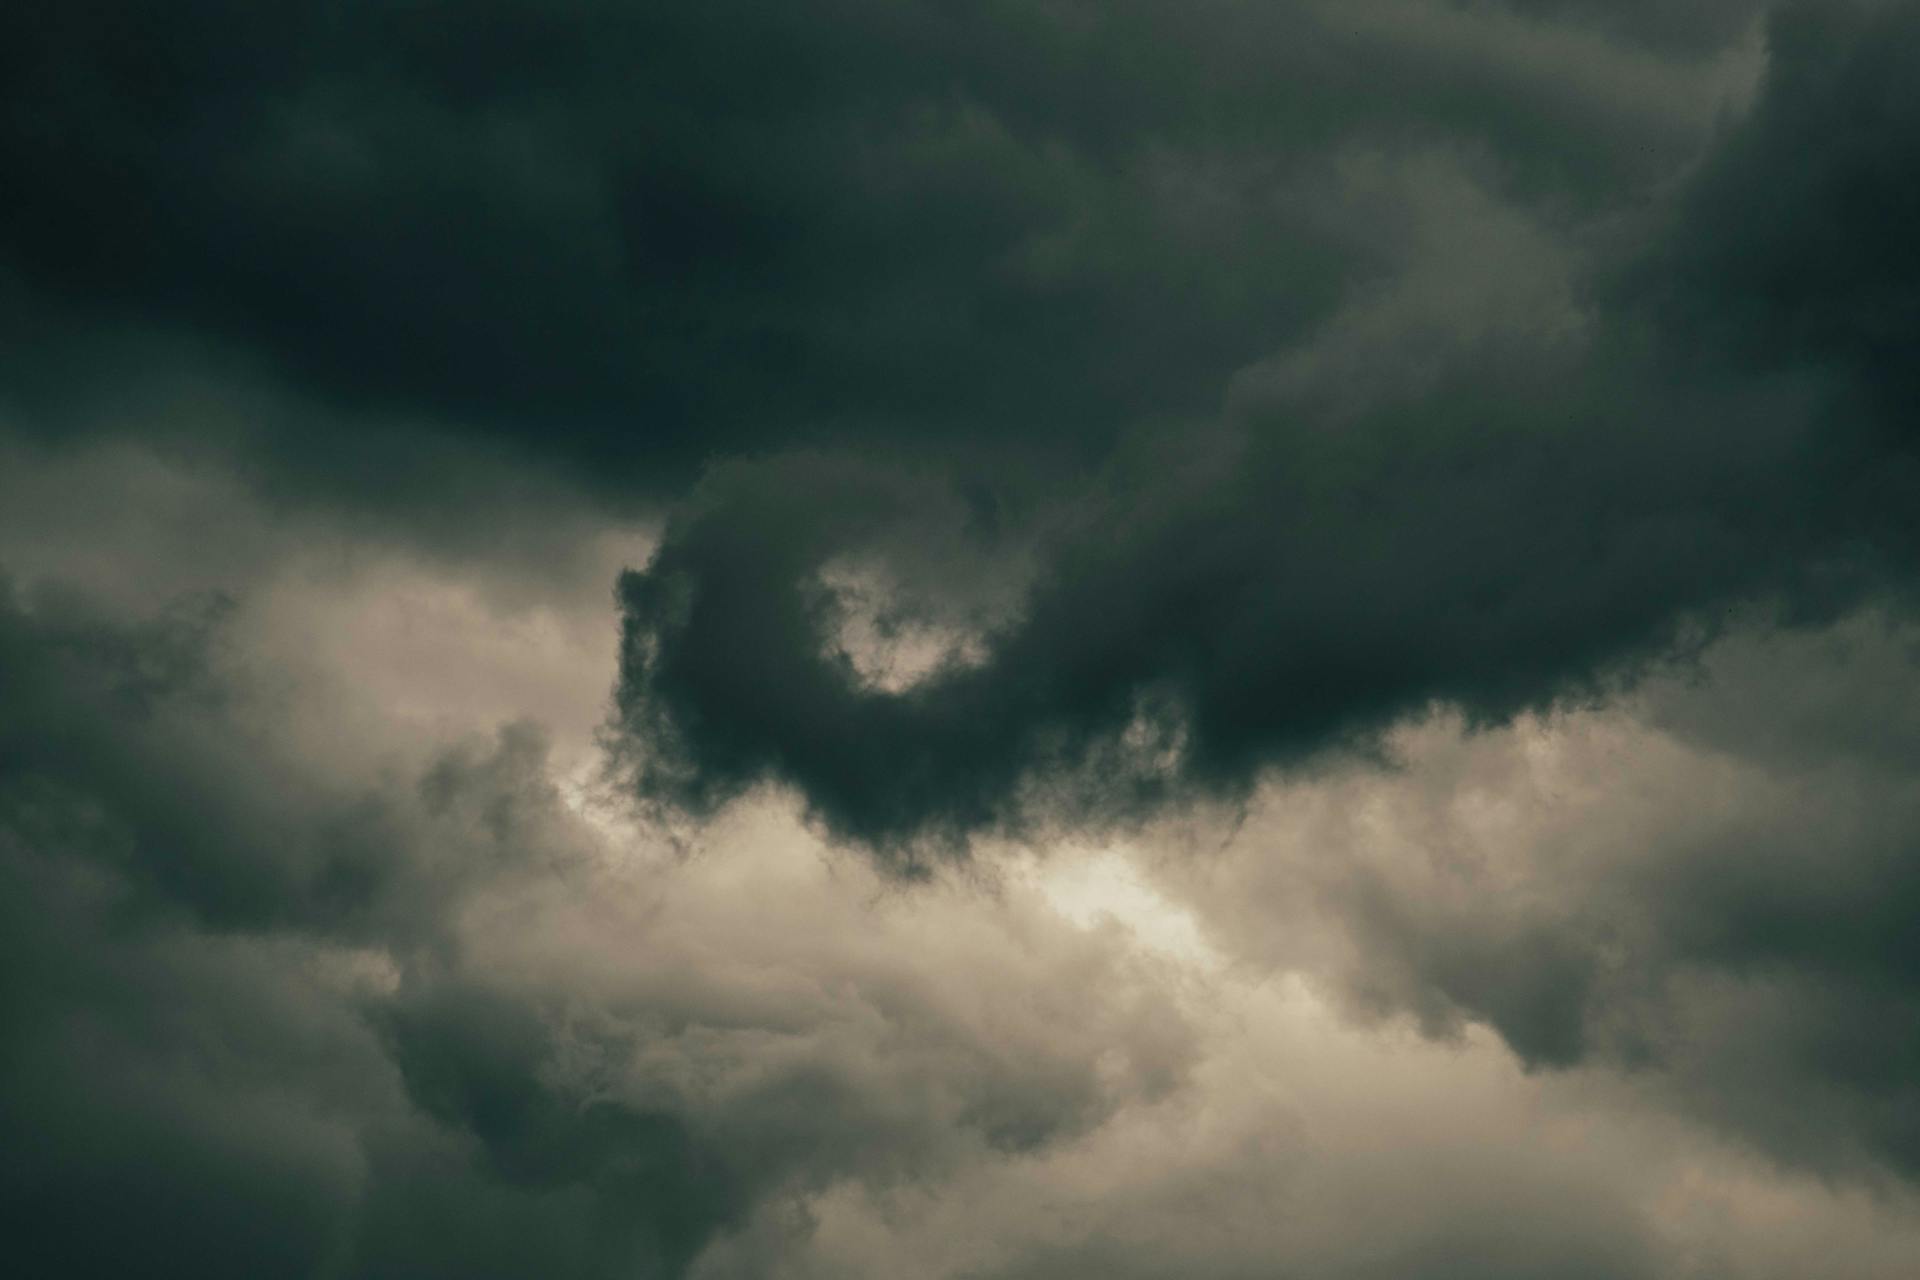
(1011, 640)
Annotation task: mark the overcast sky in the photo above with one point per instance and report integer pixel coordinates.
(1020, 640)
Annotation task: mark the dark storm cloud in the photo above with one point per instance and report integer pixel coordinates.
(614, 241)
(625, 238)
(1796, 246)
(1496, 477)
(1705, 25)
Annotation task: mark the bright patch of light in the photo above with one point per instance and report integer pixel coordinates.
(1092, 889)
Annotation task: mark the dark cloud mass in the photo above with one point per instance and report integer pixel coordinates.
(1551, 462)
(635, 236)
(750, 641)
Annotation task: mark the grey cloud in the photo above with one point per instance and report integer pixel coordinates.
(1706, 889)
(140, 748)
(425, 1027)
(1454, 1162)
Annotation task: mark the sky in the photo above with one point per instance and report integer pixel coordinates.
(1035, 639)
